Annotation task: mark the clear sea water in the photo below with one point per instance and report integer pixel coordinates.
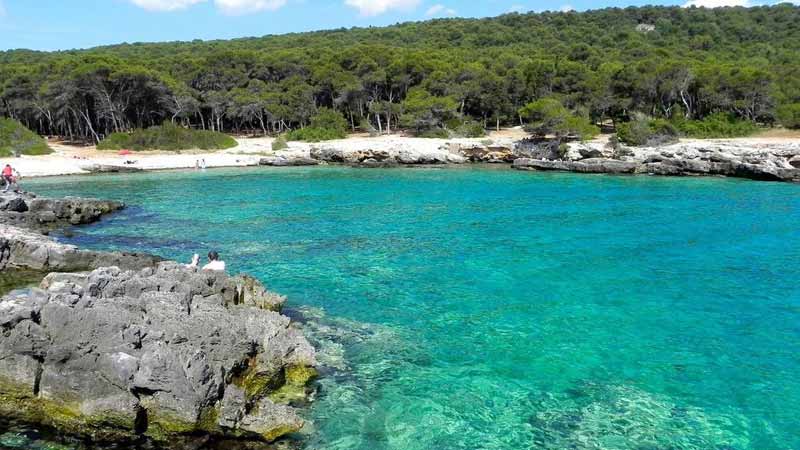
(477, 308)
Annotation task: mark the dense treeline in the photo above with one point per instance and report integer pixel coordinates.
(606, 65)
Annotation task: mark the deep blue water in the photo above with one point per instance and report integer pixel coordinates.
(489, 309)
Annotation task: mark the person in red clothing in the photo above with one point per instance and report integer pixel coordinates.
(8, 177)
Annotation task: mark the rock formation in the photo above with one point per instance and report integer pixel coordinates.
(117, 346)
(21, 249)
(758, 162)
(159, 352)
(44, 214)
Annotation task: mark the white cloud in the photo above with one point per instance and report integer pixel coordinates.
(440, 10)
(567, 8)
(715, 3)
(377, 7)
(517, 9)
(165, 5)
(231, 7)
(3, 11)
(236, 7)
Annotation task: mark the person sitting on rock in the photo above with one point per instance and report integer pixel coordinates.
(214, 263)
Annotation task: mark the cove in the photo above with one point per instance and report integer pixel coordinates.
(473, 308)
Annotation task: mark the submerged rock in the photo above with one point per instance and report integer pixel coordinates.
(160, 352)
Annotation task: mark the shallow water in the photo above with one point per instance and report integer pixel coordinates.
(492, 309)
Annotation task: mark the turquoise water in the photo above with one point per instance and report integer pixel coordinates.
(492, 309)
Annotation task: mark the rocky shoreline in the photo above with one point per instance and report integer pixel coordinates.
(774, 162)
(124, 347)
(764, 163)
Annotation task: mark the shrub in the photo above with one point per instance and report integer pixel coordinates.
(647, 132)
(327, 124)
(367, 127)
(434, 133)
(719, 125)
(469, 129)
(789, 115)
(169, 137)
(280, 143)
(16, 139)
(548, 116)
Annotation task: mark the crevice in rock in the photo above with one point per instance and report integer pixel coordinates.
(37, 379)
(140, 423)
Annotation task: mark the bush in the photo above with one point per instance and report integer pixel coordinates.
(789, 115)
(16, 139)
(367, 127)
(280, 143)
(469, 129)
(547, 116)
(434, 133)
(647, 132)
(169, 137)
(719, 125)
(327, 124)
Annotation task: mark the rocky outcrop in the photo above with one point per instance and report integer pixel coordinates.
(488, 154)
(384, 158)
(45, 214)
(594, 165)
(116, 346)
(22, 249)
(110, 168)
(163, 352)
(757, 162)
(287, 161)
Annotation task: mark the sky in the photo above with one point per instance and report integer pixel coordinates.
(70, 24)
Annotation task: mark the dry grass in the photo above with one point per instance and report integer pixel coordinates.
(781, 133)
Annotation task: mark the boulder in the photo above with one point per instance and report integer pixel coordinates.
(164, 352)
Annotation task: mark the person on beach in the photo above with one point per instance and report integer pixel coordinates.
(214, 263)
(203, 164)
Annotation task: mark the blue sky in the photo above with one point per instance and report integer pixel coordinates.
(67, 24)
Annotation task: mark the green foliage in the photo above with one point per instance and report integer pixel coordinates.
(548, 116)
(425, 112)
(168, 137)
(466, 128)
(719, 125)
(434, 133)
(327, 124)
(644, 131)
(280, 143)
(789, 115)
(15, 139)
(366, 126)
(740, 61)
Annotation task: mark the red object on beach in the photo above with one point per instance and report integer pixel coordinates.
(124, 152)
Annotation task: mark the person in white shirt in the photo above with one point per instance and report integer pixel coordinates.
(214, 263)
